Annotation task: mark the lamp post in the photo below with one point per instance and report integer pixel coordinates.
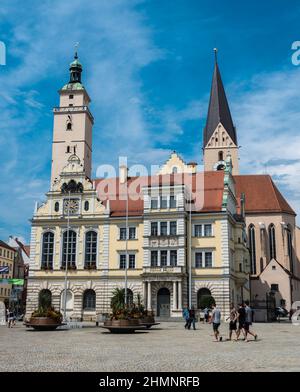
(67, 256)
(190, 250)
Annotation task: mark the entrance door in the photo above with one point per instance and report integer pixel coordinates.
(163, 302)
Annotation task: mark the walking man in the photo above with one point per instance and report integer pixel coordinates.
(206, 314)
(216, 321)
(248, 322)
(192, 318)
(233, 321)
(186, 316)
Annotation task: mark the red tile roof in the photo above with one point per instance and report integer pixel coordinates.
(212, 183)
(261, 194)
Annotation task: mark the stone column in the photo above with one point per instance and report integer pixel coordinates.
(174, 295)
(179, 295)
(149, 300)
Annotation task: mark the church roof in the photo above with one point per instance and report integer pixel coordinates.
(261, 194)
(218, 110)
(208, 186)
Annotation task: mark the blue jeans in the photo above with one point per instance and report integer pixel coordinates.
(192, 321)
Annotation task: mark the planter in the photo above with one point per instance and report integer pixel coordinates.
(122, 326)
(147, 320)
(43, 323)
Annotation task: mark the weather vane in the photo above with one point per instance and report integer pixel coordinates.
(216, 51)
(76, 48)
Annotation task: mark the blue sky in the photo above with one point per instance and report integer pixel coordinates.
(148, 68)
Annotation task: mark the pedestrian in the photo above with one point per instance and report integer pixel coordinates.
(10, 319)
(216, 321)
(248, 322)
(192, 318)
(206, 314)
(241, 320)
(233, 316)
(186, 316)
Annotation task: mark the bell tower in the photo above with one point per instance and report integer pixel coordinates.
(73, 122)
(219, 135)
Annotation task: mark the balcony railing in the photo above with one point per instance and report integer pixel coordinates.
(163, 270)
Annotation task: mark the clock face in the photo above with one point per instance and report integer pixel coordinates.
(221, 165)
(71, 206)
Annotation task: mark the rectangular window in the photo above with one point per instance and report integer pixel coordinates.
(163, 258)
(208, 259)
(131, 233)
(131, 261)
(207, 230)
(173, 258)
(122, 261)
(274, 287)
(198, 230)
(163, 202)
(173, 228)
(123, 233)
(154, 258)
(198, 260)
(71, 96)
(154, 228)
(172, 202)
(163, 228)
(154, 204)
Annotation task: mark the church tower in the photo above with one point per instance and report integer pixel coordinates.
(73, 121)
(219, 135)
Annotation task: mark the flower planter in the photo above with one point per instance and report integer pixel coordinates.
(43, 323)
(123, 326)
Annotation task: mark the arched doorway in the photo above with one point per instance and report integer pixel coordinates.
(204, 298)
(163, 302)
(69, 302)
(45, 299)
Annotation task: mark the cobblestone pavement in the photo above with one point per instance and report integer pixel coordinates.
(167, 347)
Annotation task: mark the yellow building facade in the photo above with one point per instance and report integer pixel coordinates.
(7, 256)
(178, 232)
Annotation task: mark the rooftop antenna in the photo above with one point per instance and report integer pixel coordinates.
(216, 55)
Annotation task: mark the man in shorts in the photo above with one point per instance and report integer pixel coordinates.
(216, 321)
(248, 322)
(233, 321)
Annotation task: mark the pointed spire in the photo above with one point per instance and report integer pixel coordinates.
(218, 110)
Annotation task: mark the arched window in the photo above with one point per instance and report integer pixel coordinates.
(90, 249)
(89, 300)
(251, 234)
(69, 249)
(56, 206)
(272, 242)
(175, 170)
(45, 299)
(220, 155)
(86, 206)
(47, 250)
(290, 248)
(204, 298)
(69, 126)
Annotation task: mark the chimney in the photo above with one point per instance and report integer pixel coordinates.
(123, 174)
(193, 167)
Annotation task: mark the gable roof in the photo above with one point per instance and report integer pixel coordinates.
(261, 194)
(4, 245)
(218, 110)
(208, 187)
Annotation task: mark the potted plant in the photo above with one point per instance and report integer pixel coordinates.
(45, 317)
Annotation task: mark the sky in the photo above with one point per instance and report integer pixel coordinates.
(147, 66)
